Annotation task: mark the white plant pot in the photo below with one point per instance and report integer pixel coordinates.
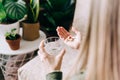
(7, 28)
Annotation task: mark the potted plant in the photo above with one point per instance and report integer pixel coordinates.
(31, 24)
(13, 39)
(11, 12)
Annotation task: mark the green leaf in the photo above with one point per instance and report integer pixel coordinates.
(11, 35)
(13, 30)
(33, 11)
(50, 19)
(15, 9)
(2, 13)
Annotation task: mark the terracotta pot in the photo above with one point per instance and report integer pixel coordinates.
(30, 31)
(14, 44)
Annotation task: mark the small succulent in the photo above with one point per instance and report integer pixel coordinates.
(11, 35)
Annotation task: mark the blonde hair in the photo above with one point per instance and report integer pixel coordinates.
(100, 50)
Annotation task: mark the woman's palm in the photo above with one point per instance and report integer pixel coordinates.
(72, 41)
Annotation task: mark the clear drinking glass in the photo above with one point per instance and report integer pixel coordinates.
(53, 45)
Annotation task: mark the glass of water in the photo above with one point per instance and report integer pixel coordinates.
(53, 45)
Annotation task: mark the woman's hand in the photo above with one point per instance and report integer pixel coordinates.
(51, 62)
(72, 41)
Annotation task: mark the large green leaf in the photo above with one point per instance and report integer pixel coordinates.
(2, 13)
(15, 9)
(50, 19)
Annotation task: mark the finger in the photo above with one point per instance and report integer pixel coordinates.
(57, 28)
(61, 30)
(61, 54)
(75, 30)
(41, 56)
(65, 32)
(42, 49)
(59, 59)
(61, 34)
(78, 34)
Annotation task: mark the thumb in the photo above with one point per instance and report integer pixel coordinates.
(61, 54)
(78, 34)
(59, 59)
(42, 49)
(75, 30)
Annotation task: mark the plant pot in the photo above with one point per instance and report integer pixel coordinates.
(7, 28)
(14, 44)
(30, 31)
